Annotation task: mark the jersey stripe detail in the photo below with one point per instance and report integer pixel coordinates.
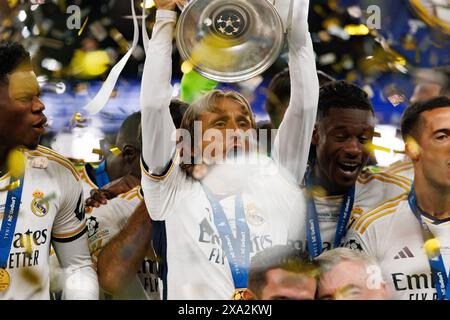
(366, 225)
(397, 177)
(72, 238)
(400, 165)
(399, 181)
(140, 195)
(383, 206)
(154, 177)
(130, 193)
(56, 158)
(68, 235)
(85, 177)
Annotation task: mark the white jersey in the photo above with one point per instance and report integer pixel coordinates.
(88, 184)
(188, 237)
(56, 272)
(402, 168)
(106, 222)
(185, 234)
(393, 235)
(371, 189)
(51, 210)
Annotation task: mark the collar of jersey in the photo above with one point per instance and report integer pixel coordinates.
(433, 220)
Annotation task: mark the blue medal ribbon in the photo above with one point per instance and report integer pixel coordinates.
(101, 176)
(314, 238)
(10, 216)
(437, 265)
(237, 249)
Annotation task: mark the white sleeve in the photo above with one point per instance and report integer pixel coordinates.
(293, 140)
(161, 177)
(80, 278)
(156, 92)
(70, 221)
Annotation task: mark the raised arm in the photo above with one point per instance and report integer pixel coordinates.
(292, 143)
(156, 93)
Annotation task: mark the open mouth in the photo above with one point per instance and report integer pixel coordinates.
(349, 168)
(41, 125)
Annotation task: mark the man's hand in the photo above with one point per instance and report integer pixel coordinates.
(111, 190)
(169, 4)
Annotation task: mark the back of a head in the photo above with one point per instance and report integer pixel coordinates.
(177, 110)
(12, 55)
(278, 257)
(324, 78)
(342, 94)
(411, 116)
(130, 131)
(278, 95)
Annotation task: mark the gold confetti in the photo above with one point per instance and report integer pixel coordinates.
(115, 151)
(317, 192)
(12, 3)
(357, 29)
(77, 120)
(372, 147)
(148, 4)
(28, 249)
(186, 67)
(98, 151)
(83, 26)
(16, 163)
(31, 276)
(11, 186)
(432, 247)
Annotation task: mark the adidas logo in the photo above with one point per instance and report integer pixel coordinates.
(405, 253)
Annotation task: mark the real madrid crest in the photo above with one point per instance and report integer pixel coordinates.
(39, 205)
(253, 215)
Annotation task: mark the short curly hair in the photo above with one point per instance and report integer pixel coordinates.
(342, 94)
(12, 55)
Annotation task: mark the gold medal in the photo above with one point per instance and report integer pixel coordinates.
(5, 280)
(238, 294)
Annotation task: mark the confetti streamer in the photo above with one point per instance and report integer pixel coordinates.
(102, 97)
(372, 147)
(11, 186)
(98, 151)
(115, 151)
(84, 26)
